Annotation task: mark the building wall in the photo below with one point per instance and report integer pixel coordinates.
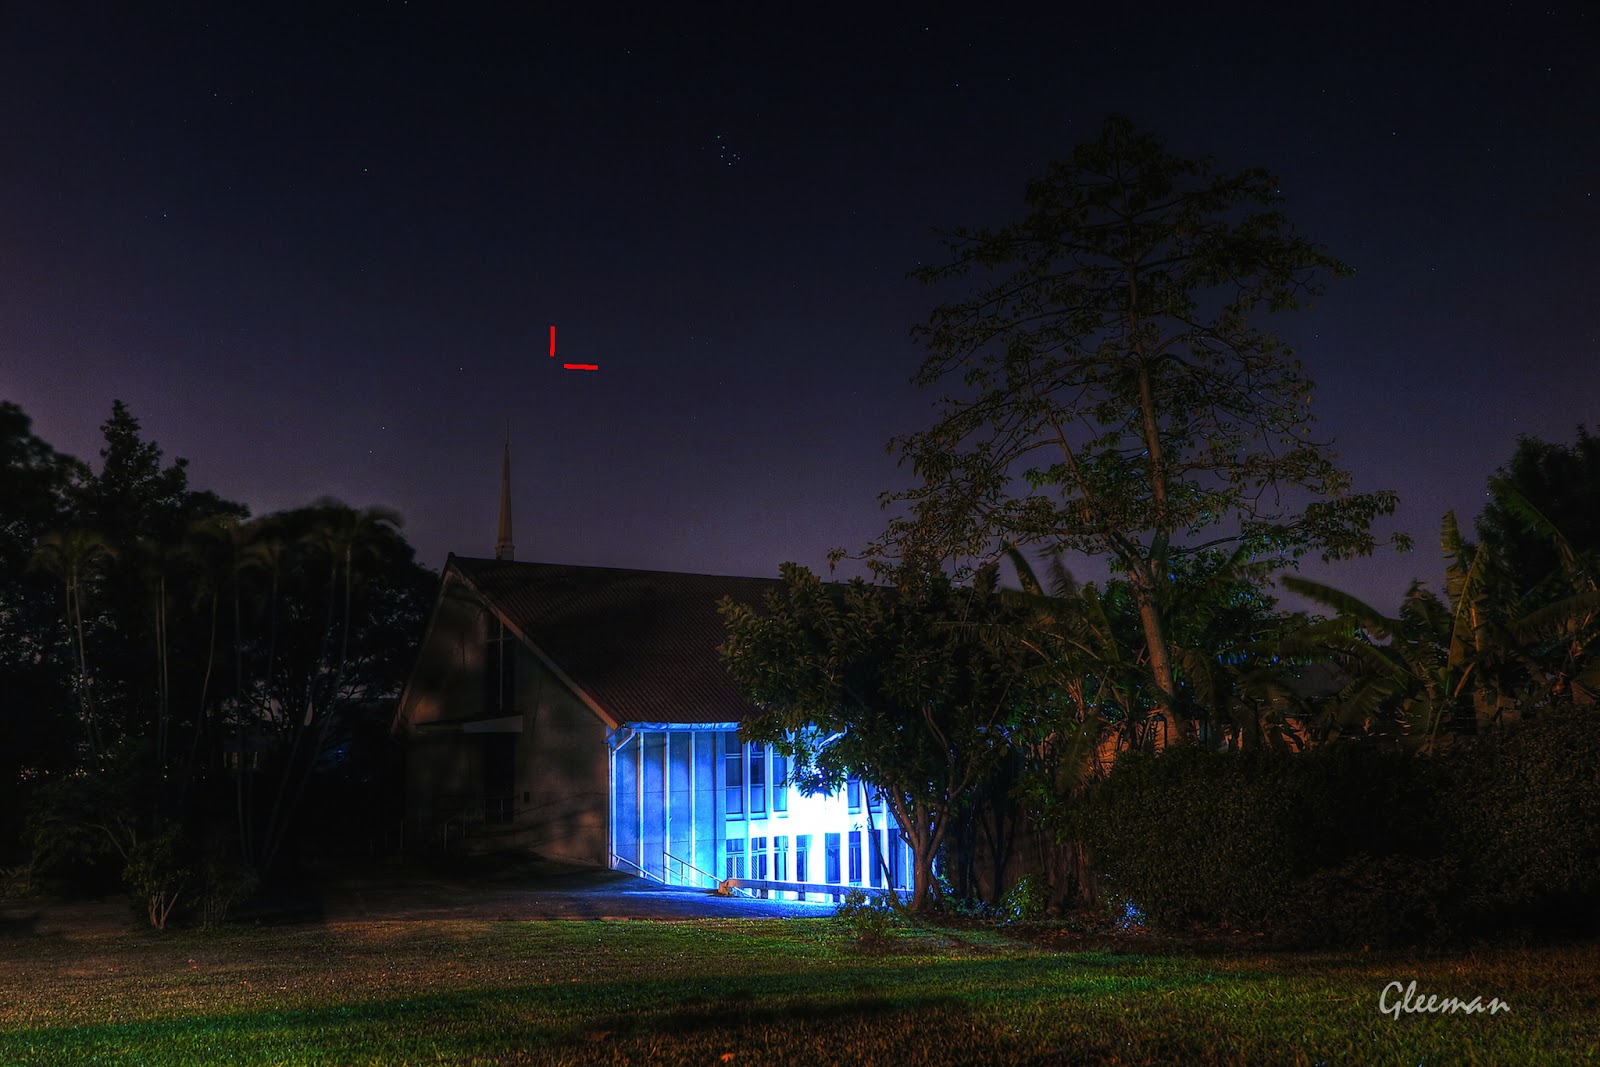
(555, 801)
(562, 808)
(687, 804)
(443, 783)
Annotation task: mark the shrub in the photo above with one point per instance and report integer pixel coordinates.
(1370, 901)
(17, 882)
(157, 876)
(1522, 814)
(1190, 836)
(1027, 901)
(868, 919)
(1199, 836)
(225, 880)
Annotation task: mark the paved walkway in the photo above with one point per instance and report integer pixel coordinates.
(527, 892)
(522, 891)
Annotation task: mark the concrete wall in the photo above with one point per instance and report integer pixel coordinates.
(559, 786)
(562, 769)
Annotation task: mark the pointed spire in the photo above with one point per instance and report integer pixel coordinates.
(502, 546)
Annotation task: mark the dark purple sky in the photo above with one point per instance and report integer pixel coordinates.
(320, 252)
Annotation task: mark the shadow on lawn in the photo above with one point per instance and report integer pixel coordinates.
(16, 926)
(562, 1015)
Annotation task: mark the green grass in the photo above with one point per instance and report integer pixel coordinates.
(754, 992)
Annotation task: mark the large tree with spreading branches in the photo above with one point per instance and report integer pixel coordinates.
(1111, 391)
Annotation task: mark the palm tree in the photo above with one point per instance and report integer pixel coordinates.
(347, 540)
(75, 556)
(158, 562)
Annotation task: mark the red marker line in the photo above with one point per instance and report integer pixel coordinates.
(552, 342)
(581, 366)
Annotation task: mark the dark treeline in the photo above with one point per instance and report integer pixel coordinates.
(1354, 776)
(1108, 386)
(181, 682)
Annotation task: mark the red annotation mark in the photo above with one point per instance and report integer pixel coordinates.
(569, 366)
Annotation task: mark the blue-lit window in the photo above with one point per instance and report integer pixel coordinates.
(735, 854)
(855, 857)
(758, 858)
(733, 775)
(832, 848)
(852, 792)
(780, 783)
(758, 779)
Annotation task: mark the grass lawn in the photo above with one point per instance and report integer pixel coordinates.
(755, 992)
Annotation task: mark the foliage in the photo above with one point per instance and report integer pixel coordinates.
(36, 669)
(1361, 843)
(83, 825)
(224, 881)
(1464, 663)
(880, 682)
(1522, 813)
(1260, 834)
(139, 615)
(1111, 391)
(1026, 901)
(1561, 482)
(18, 882)
(869, 919)
(158, 874)
(1371, 901)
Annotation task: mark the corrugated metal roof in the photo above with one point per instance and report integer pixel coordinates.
(642, 644)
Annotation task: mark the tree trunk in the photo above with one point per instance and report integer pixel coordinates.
(1173, 729)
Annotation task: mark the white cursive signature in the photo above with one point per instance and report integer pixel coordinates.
(1410, 1002)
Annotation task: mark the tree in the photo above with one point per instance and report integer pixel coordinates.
(359, 552)
(1110, 393)
(154, 652)
(882, 683)
(75, 557)
(37, 657)
(1561, 484)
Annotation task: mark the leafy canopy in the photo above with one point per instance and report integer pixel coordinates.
(1110, 389)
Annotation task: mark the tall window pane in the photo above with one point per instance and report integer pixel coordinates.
(780, 782)
(733, 774)
(758, 857)
(758, 779)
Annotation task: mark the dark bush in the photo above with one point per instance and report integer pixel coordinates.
(1353, 844)
(1261, 839)
(1521, 811)
(1369, 900)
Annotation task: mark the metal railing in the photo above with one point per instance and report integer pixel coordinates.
(617, 862)
(671, 865)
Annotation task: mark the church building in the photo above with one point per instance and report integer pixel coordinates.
(583, 713)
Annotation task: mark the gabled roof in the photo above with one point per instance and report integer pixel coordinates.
(640, 644)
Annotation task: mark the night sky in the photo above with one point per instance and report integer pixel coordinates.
(320, 253)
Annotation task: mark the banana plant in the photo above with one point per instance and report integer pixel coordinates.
(1450, 665)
